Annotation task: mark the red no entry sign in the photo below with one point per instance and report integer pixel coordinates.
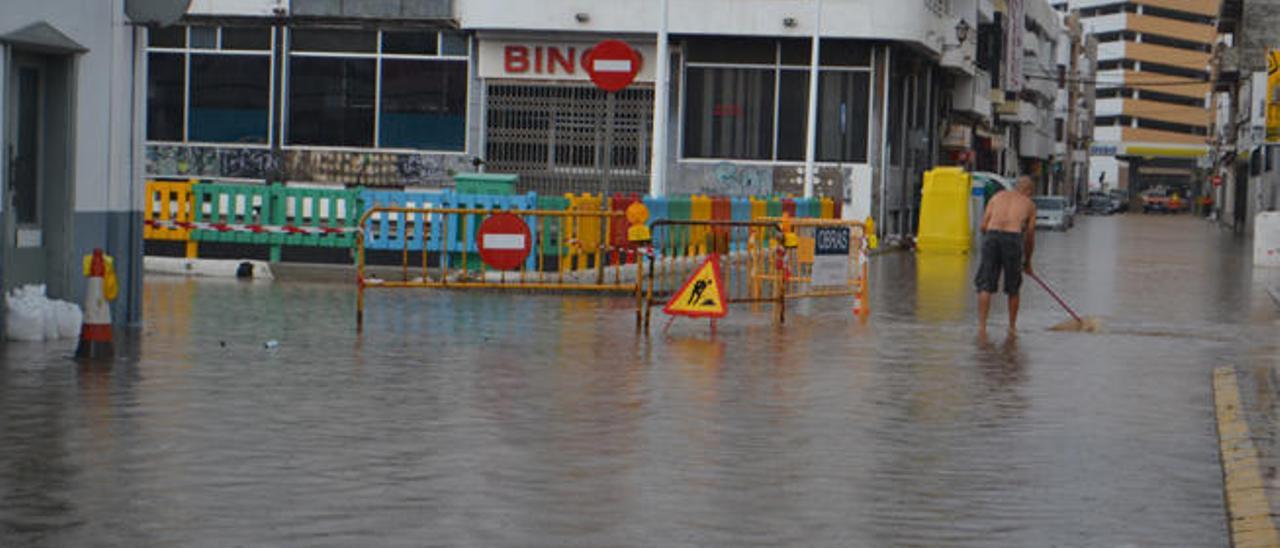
(613, 65)
(504, 241)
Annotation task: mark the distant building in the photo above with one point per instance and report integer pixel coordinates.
(1153, 88)
(71, 173)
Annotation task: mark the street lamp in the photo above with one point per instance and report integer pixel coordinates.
(962, 30)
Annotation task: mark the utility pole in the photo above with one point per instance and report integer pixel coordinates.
(811, 140)
(658, 159)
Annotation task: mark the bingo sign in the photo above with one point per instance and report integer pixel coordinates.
(831, 256)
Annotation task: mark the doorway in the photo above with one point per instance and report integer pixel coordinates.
(37, 198)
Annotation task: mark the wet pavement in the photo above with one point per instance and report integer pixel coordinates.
(530, 420)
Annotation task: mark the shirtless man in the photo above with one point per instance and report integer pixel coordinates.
(1009, 238)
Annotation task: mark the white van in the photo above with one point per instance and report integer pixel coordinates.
(1052, 212)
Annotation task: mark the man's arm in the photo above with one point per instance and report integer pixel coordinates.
(1029, 241)
(986, 217)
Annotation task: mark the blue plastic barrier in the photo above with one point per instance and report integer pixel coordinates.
(385, 231)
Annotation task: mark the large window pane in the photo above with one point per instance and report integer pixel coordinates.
(729, 113)
(793, 114)
(732, 50)
(420, 42)
(354, 41)
(331, 101)
(164, 96)
(246, 38)
(229, 97)
(167, 37)
(842, 116)
(424, 104)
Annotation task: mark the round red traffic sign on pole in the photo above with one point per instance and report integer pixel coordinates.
(613, 65)
(504, 241)
(1217, 180)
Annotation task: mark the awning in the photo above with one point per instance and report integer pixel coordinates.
(43, 38)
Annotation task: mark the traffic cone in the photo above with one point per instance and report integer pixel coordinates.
(95, 332)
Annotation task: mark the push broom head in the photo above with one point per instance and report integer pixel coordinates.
(1086, 324)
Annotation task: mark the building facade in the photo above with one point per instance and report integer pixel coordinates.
(71, 177)
(410, 92)
(1152, 114)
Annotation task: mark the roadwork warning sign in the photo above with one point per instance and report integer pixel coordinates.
(700, 297)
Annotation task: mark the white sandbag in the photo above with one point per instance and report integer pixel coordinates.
(69, 319)
(24, 320)
(50, 319)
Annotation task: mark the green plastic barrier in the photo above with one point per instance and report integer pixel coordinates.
(240, 211)
(549, 229)
(774, 207)
(325, 217)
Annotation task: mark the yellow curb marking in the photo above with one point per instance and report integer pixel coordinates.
(1248, 508)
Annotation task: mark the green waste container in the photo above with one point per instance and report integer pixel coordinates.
(494, 184)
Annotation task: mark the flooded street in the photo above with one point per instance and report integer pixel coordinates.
(486, 419)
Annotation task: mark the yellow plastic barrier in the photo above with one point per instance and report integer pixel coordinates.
(699, 210)
(828, 208)
(944, 211)
(169, 202)
(583, 235)
(759, 208)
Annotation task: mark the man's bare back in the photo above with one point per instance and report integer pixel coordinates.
(1009, 212)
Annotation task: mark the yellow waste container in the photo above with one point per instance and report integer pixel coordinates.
(944, 211)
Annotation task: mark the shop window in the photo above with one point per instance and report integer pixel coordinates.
(793, 114)
(729, 113)
(331, 101)
(842, 116)
(165, 100)
(333, 40)
(424, 105)
(230, 95)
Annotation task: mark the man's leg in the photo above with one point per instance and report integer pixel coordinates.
(1014, 300)
(984, 306)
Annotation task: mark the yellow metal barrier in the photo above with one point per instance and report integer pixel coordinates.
(846, 277)
(441, 259)
(169, 213)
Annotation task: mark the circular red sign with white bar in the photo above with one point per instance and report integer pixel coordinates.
(613, 65)
(504, 241)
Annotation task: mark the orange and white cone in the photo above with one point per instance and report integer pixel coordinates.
(95, 332)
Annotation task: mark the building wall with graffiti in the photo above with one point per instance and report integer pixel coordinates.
(352, 168)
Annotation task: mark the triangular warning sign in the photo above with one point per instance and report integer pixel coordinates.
(700, 297)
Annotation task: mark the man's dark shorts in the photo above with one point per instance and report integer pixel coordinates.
(1001, 251)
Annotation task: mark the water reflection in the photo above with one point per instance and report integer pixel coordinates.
(530, 420)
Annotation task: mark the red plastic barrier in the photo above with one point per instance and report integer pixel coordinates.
(837, 208)
(618, 227)
(789, 207)
(721, 210)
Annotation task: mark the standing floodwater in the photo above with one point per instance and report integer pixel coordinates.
(488, 419)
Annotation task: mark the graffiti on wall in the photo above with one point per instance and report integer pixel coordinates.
(322, 166)
(737, 179)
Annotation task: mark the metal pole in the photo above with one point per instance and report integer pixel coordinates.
(609, 100)
(658, 159)
(811, 140)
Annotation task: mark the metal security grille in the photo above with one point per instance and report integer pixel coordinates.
(554, 136)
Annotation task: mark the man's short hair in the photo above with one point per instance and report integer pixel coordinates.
(1025, 181)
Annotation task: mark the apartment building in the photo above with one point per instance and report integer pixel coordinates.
(1152, 116)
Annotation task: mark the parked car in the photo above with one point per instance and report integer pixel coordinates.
(1105, 203)
(1053, 212)
(992, 182)
(1162, 200)
(1120, 198)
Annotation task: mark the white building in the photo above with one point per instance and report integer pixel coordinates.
(403, 93)
(71, 175)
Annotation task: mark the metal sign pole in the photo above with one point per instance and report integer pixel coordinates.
(609, 102)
